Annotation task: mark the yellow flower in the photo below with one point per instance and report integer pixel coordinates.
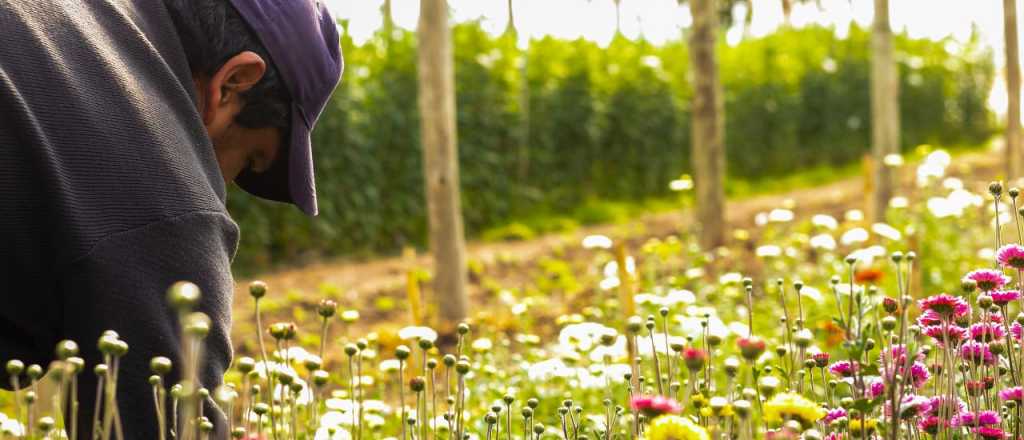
(855, 426)
(669, 427)
(786, 406)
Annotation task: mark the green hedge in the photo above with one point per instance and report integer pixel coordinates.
(609, 124)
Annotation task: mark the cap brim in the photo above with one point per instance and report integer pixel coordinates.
(290, 179)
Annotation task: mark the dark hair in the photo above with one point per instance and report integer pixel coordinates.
(211, 32)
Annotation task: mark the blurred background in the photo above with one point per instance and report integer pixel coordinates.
(579, 112)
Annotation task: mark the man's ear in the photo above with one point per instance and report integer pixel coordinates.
(238, 74)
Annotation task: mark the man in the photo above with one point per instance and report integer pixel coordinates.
(121, 124)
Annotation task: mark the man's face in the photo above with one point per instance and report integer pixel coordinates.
(237, 148)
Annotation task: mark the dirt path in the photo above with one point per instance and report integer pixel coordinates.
(362, 281)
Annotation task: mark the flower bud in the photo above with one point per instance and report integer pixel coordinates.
(257, 289)
(327, 308)
(183, 295)
(160, 365)
(995, 188)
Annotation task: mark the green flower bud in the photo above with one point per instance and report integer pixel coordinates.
(160, 365)
(183, 295)
(402, 352)
(15, 367)
(246, 364)
(327, 308)
(66, 349)
(257, 289)
(34, 372)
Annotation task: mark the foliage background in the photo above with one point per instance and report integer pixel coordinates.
(594, 124)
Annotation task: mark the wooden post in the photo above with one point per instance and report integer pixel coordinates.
(1013, 148)
(440, 161)
(708, 127)
(885, 113)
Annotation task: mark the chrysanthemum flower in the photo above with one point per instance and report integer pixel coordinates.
(931, 424)
(947, 306)
(911, 406)
(1011, 256)
(694, 358)
(943, 405)
(751, 348)
(843, 369)
(876, 388)
(1016, 330)
(1004, 297)
(670, 427)
(929, 318)
(1013, 393)
(834, 414)
(988, 279)
(653, 406)
(821, 359)
(988, 433)
(940, 333)
(868, 427)
(987, 332)
(977, 353)
(970, 419)
(785, 406)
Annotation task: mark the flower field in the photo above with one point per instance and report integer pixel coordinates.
(816, 327)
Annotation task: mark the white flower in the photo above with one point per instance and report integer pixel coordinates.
(780, 216)
(854, 215)
(390, 365)
(867, 255)
(823, 241)
(482, 344)
(769, 250)
(952, 183)
(825, 221)
(416, 332)
(612, 268)
(898, 202)
(761, 219)
(855, 235)
(893, 160)
(812, 293)
(684, 183)
(694, 272)
(609, 283)
(597, 242)
(730, 278)
(886, 231)
(583, 336)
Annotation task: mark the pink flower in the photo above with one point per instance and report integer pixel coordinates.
(1011, 256)
(919, 373)
(751, 348)
(1016, 330)
(988, 433)
(952, 407)
(833, 414)
(1013, 393)
(694, 358)
(1004, 297)
(910, 406)
(929, 318)
(940, 333)
(876, 388)
(977, 353)
(931, 424)
(843, 369)
(988, 279)
(653, 406)
(970, 419)
(946, 306)
(989, 332)
(820, 359)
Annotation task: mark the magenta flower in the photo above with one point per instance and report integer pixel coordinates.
(953, 407)
(970, 419)
(988, 279)
(929, 318)
(940, 333)
(977, 353)
(843, 369)
(930, 424)
(653, 406)
(876, 388)
(988, 433)
(919, 373)
(987, 332)
(946, 306)
(910, 406)
(1011, 256)
(1013, 393)
(1016, 330)
(1004, 297)
(834, 414)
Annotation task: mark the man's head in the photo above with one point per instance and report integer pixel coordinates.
(263, 71)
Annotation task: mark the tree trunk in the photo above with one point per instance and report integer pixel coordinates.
(1013, 149)
(787, 12)
(885, 113)
(440, 161)
(708, 124)
(389, 22)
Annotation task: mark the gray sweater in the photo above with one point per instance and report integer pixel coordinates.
(109, 193)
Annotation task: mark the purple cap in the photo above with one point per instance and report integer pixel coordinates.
(302, 40)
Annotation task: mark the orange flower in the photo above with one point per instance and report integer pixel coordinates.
(834, 334)
(868, 275)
